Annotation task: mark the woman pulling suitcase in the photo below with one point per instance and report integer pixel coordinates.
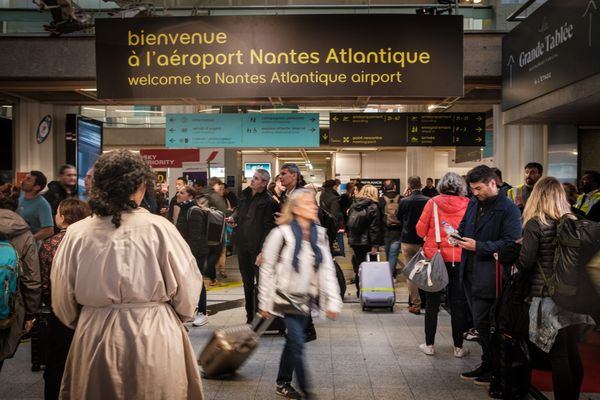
(297, 268)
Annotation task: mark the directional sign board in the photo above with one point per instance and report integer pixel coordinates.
(407, 129)
(555, 46)
(242, 130)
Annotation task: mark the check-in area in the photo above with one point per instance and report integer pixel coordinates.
(215, 96)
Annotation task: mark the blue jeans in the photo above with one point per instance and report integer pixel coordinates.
(201, 261)
(292, 358)
(340, 241)
(392, 249)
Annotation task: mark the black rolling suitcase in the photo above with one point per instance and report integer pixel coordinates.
(229, 348)
(509, 323)
(39, 340)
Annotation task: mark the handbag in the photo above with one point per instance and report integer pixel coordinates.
(294, 304)
(428, 275)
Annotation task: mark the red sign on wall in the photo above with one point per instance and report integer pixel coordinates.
(169, 158)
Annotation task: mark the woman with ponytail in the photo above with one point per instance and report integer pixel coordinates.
(126, 280)
(297, 264)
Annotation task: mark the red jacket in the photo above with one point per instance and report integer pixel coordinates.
(450, 209)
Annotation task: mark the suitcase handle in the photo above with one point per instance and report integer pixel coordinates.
(260, 324)
(368, 257)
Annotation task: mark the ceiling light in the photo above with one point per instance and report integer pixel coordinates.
(207, 110)
(360, 149)
(94, 109)
(140, 111)
(7, 106)
(88, 90)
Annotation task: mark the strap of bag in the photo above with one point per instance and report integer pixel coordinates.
(438, 236)
(499, 274)
(189, 213)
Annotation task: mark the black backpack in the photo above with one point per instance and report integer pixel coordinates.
(358, 219)
(574, 284)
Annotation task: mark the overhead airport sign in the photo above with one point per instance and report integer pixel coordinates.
(242, 130)
(555, 46)
(225, 57)
(406, 129)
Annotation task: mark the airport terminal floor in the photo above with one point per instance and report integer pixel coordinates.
(361, 355)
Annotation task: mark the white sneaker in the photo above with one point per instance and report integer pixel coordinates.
(200, 320)
(460, 352)
(427, 349)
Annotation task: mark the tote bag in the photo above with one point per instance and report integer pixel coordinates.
(428, 275)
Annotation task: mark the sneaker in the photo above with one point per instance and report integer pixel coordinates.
(471, 335)
(476, 373)
(286, 390)
(200, 320)
(415, 310)
(427, 349)
(460, 352)
(483, 380)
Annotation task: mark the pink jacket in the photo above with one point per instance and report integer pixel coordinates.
(450, 209)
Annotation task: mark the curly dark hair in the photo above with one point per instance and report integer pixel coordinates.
(117, 175)
(9, 197)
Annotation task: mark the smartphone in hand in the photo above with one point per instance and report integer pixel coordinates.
(457, 237)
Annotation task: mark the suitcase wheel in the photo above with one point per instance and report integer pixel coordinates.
(364, 308)
(36, 367)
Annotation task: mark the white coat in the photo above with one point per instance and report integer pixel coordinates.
(126, 291)
(276, 271)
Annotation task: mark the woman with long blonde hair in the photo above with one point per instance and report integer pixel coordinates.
(364, 227)
(297, 263)
(551, 328)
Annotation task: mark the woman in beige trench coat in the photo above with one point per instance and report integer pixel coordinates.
(125, 280)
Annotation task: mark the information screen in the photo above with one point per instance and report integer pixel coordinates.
(250, 168)
(89, 148)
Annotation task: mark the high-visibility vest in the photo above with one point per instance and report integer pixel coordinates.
(516, 192)
(590, 201)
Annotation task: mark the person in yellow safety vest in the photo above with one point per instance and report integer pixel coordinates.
(588, 202)
(520, 194)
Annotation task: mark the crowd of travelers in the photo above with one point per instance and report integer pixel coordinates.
(122, 264)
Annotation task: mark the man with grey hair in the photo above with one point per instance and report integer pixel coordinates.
(290, 177)
(253, 219)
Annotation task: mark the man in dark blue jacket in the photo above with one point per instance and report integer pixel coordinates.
(490, 222)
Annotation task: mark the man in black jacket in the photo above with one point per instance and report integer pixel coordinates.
(491, 222)
(389, 203)
(409, 212)
(254, 219)
(63, 188)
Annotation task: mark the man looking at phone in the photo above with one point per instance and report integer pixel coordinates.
(490, 222)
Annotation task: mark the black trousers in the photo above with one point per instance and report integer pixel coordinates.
(458, 309)
(249, 271)
(480, 310)
(214, 253)
(360, 255)
(59, 343)
(567, 369)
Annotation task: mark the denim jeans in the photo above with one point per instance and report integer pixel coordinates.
(292, 358)
(340, 241)
(201, 261)
(392, 249)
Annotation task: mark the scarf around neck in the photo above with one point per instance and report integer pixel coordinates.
(313, 237)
